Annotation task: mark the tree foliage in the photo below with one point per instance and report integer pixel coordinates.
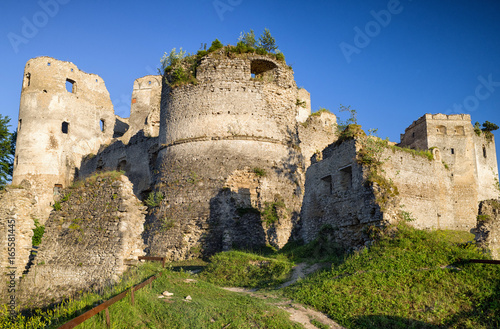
(216, 44)
(267, 42)
(171, 59)
(248, 38)
(7, 147)
(488, 126)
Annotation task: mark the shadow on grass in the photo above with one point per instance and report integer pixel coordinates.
(486, 313)
(188, 268)
(390, 322)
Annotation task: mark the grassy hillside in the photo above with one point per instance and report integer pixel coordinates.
(209, 306)
(406, 279)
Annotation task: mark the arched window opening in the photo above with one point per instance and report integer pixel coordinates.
(122, 165)
(264, 70)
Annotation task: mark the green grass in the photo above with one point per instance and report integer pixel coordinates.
(210, 307)
(243, 269)
(403, 281)
(408, 278)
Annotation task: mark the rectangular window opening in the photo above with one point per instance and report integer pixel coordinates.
(27, 81)
(346, 178)
(70, 86)
(65, 127)
(20, 124)
(327, 184)
(102, 125)
(452, 151)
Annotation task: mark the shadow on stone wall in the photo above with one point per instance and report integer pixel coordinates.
(233, 223)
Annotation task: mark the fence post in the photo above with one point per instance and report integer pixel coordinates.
(132, 299)
(108, 320)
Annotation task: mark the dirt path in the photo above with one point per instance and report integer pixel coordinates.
(298, 313)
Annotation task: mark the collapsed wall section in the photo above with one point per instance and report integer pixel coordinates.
(136, 159)
(487, 231)
(369, 182)
(90, 237)
(336, 197)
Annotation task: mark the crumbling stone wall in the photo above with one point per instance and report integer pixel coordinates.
(226, 124)
(87, 243)
(317, 132)
(145, 107)
(487, 231)
(337, 197)
(16, 231)
(347, 196)
(64, 114)
(136, 158)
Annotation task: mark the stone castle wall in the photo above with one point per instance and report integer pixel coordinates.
(336, 196)
(337, 193)
(487, 231)
(61, 113)
(228, 124)
(145, 107)
(87, 243)
(16, 231)
(136, 159)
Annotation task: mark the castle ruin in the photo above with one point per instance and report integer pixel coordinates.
(234, 160)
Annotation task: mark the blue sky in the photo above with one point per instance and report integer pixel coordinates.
(392, 61)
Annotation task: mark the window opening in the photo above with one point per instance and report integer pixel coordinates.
(70, 86)
(327, 184)
(452, 151)
(65, 127)
(71, 70)
(101, 125)
(346, 177)
(27, 82)
(149, 82)
(20, 124)
(484, 151)
(48, 64)
(121, 165)
(413, 135)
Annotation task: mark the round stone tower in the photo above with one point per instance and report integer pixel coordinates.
(64, 114)
(229, 166)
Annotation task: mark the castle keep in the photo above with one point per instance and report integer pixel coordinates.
(233, 159)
